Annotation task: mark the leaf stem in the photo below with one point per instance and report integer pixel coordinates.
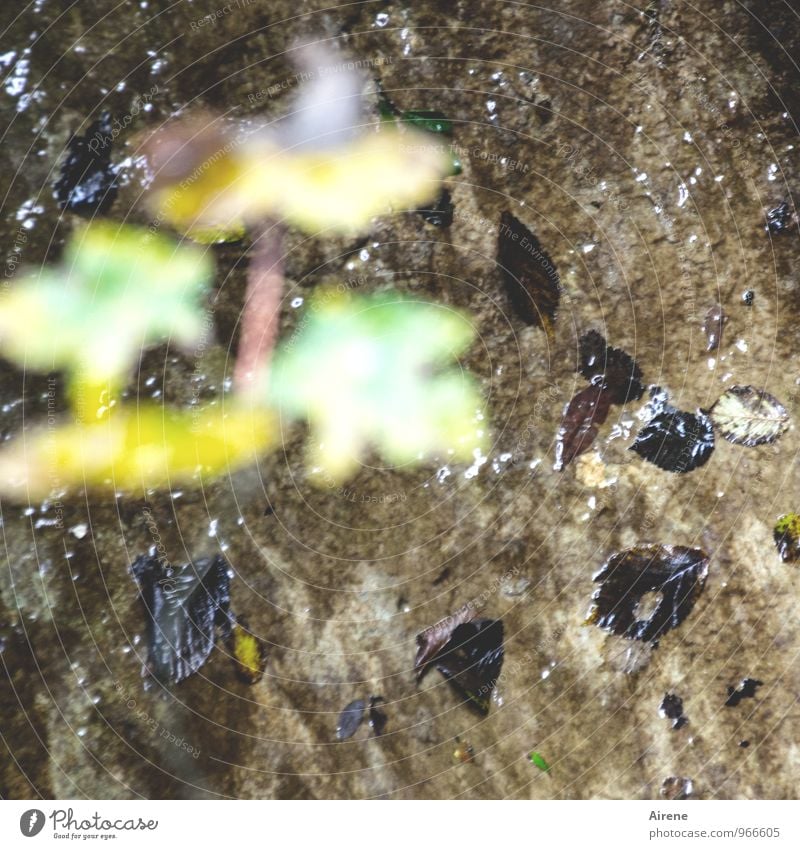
(261, 314)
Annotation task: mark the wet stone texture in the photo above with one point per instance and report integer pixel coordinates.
(643, 151)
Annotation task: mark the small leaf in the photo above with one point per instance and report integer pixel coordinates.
(472, 659)
(611, 368)
(674, 573)
(248, 652)
(674, 440)
(746, 690)
(749, 416)
(429, 120)
(529, 275)
(350, 719)
(370, 373)
(672, 708)
(432, 640)
(184, 605)
(787, 537)
(377, 718)
(713, 324)
(538, 761)
(588, 409)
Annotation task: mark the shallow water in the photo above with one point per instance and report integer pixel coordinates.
(646, 151)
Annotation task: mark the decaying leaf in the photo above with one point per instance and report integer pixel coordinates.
(677, 788)
(611, 368)
(674, 440)
(86, 183)
(672, 708)
(432, 640)
(184, 606)
(530, 277)
(373, 373)
(350, 719)
(674, 574)
(248, 652)
(144, 447)
(472, 659)
(787, 537)
(748, 416)
(588, 409)
(746, 690)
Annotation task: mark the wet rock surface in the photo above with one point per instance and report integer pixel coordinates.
(643, 151)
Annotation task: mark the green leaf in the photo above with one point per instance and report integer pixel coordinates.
(118, 289)
(367, 372)
(538, 761)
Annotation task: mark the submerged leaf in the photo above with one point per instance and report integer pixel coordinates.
(248, 652)
(674, 440)
(787, 537)
(713, 324)
(749, 416)
(147, 447)
(432, 640)
(184, 605)
(377, 718)
(746, 690)
(611, 368)
(472, 659)
(350, 719)
(672, 708)
(529, 275)
(588, 409)
(86, 184)
(674, 573)
(371, 372)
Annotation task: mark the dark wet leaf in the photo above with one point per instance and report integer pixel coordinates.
(582, 416)
(86, 182)
(440, 213)
(746, 690)
(529, 275)
(674, 440)
(787, 537)
(350, 719)
(748, 416)
(672, 708)
(248, 652)
(472, 659)
(432, 640)
(779, 218)
(748, 297)
(713, 323)
(610, 367)
(183, 606)
(674, 574)
(377, 718)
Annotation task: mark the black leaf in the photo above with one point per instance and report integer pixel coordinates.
(377, 718)
(86, 182)
(674, 440)
(746, 690)
(530, 277)
(440, 213)
(674, 573)
(350, 719)
(472, 659)
(183, 606)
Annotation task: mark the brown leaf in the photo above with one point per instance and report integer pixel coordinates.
(433, 639)
(588, 409)
(529, 275)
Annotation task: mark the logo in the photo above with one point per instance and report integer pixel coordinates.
(31, 822)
